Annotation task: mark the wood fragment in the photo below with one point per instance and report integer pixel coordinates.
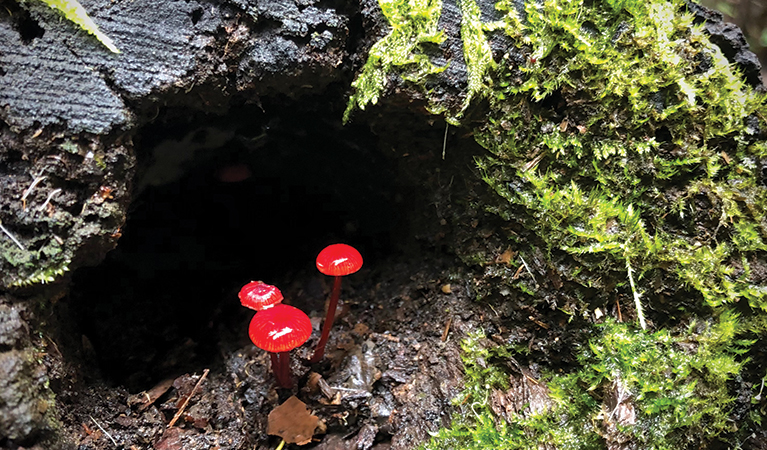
(388, 337)
(538, 322)
(444, 141)
(186, 401)
(447, 329)
(528, 270)
(620, 317)
(145, 399)
(325, 388)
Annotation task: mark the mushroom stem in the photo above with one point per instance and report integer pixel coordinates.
(281, 369)
(319, 352)
(287, 380)
(276, 366)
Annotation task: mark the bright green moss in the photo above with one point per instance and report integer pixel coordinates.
(627, 145)
(43, 276)
(676, 386)
(477, 428)
(646, 131)
(477, 53)
(413, 24)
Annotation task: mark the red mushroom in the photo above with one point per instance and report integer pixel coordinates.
(259, 295)
(335, 260)
(278, 330)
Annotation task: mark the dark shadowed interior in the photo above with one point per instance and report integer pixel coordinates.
(220, 201)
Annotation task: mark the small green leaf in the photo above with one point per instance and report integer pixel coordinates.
(75, 12)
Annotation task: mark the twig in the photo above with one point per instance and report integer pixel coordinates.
(447, 329)
(26, 193)
(637, 297)
(528, 270)
(104, 431)
(48, 200)
(339, 388)
(8, 233)
(444, 141)
(186, 401)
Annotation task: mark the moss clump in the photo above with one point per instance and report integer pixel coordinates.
(413, 25)
(615, 177)
(43, 276)
(627, 140)
(668, 391)
(632, 151)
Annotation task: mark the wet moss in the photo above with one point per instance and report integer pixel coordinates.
(639, 171)
(668, 391)
(413, 26)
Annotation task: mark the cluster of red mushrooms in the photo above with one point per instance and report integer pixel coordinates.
(279, 328)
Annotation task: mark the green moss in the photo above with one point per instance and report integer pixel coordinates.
(27, 263)
(43, 276)
(617, 178)
(628, 146)
(413, 25)
(673, 389)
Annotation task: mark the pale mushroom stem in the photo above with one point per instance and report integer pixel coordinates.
(319, 352)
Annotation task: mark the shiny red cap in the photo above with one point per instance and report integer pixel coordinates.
(259, 295)
(280, 328)
(338, 260)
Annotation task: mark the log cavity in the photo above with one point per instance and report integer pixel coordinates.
(219, 201)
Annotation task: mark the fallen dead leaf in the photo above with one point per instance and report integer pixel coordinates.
(360, 329)
(293, 422)
(505, 257)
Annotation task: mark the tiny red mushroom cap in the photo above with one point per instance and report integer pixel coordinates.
(280, 328)
(259, 295)
(338, 260)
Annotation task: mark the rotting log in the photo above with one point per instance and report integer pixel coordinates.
(70, 110)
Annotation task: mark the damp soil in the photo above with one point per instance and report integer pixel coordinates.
(389, 377)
